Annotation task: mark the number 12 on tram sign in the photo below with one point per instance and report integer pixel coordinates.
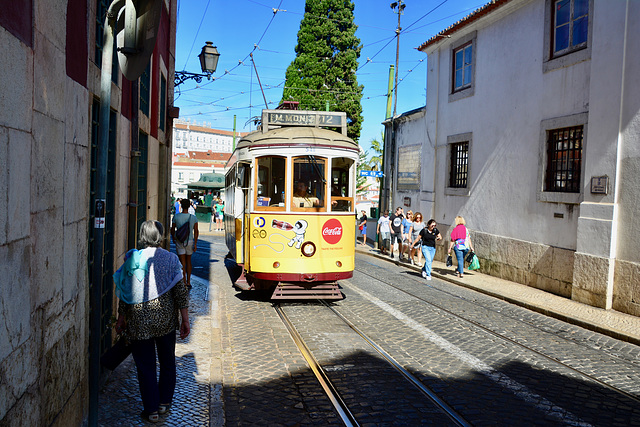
(374, 174)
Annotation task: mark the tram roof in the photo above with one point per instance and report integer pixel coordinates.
(293, 136)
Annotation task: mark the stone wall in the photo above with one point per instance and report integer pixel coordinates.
(626, 287)
(539, 266)
(44, 179)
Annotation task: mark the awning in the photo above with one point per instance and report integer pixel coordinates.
(208, 181)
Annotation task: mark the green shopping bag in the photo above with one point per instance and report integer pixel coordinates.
(475, 263)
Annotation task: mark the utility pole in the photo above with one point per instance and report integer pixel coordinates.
(399, 5)
(391, 146)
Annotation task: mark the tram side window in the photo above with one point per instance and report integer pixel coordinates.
(271, 179)
(341, 189)
(309, 183)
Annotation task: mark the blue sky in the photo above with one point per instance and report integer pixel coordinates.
(244, 26)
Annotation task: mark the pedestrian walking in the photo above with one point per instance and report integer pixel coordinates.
(383, 231)
(406, 235)
(214, 213)
(416, 226)
(460, 243)
(363, 228)
(187, 247)
(428, 236)
(151, 292)
(219, 216)
(396, 231)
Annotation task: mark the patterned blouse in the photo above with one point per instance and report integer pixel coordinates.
(157, 317)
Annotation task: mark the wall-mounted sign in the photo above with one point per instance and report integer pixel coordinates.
(375, 174)
(599, 184)
(407, 202)
(409, 167)
(99, 212)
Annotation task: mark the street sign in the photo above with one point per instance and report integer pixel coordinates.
(374, 174)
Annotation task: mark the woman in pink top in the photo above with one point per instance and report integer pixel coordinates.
(460, 243)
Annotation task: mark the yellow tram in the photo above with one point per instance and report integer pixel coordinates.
(290, 204)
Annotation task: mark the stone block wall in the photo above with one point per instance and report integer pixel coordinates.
(539, 266)
(44, 183)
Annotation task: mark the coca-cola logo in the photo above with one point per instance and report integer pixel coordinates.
(332, 231)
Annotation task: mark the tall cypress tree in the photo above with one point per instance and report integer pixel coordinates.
(324, 70)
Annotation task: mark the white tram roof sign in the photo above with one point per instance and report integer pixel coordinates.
(325, 119)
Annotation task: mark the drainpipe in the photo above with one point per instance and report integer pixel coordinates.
(101, 194)
(132, 206)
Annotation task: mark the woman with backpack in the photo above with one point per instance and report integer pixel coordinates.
(460, 243)
(184, 232)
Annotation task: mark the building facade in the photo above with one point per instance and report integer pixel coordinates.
(531, 133)
(198, 149)
(50, 88)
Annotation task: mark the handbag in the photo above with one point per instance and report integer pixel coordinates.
(470, 256)
(113, 357)
(475, 263)
(449, 261)
(361, 227)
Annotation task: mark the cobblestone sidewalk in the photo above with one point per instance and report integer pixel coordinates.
(195, 400)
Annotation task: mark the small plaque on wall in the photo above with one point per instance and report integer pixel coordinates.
(407, 202)
(599, 184)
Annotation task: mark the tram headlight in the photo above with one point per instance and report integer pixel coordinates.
(276, 264)
(308, 249)
(339, 263)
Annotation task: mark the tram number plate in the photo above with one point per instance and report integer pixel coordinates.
(302, 119)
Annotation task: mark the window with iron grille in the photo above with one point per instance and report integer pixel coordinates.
(564, 159)
(145, 89)
(459, 165)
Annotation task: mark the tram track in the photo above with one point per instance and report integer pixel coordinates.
(331, 390)
(505, 338)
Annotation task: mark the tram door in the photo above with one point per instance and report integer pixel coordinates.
(237, 206)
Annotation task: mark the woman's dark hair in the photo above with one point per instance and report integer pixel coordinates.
(431, 221)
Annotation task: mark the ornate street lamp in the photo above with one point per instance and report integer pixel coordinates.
(208, 63)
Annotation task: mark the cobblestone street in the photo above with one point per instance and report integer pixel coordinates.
(240, 366)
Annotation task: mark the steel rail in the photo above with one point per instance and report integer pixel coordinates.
(448, 410)
(332, 393)
(501, 336)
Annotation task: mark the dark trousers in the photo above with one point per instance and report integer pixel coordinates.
(152, 391)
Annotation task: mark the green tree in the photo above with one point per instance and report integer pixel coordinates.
(362, 186)
(324, 70)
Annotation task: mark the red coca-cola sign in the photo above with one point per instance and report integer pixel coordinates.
(332, 231)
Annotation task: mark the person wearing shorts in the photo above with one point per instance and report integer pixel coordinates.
(185, 250)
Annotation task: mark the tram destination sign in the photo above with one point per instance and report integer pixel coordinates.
(304, 118)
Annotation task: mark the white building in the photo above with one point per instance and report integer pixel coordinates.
(531, 133)
(189, 136)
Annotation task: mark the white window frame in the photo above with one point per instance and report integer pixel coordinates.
(570, 56)
(469, 90)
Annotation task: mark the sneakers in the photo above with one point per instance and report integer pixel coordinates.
(428, 277)
(391, 256)
(424, 274)
(411, 261)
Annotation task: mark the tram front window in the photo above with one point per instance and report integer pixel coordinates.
(270, 185)
(309, 183)
(341, 189)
